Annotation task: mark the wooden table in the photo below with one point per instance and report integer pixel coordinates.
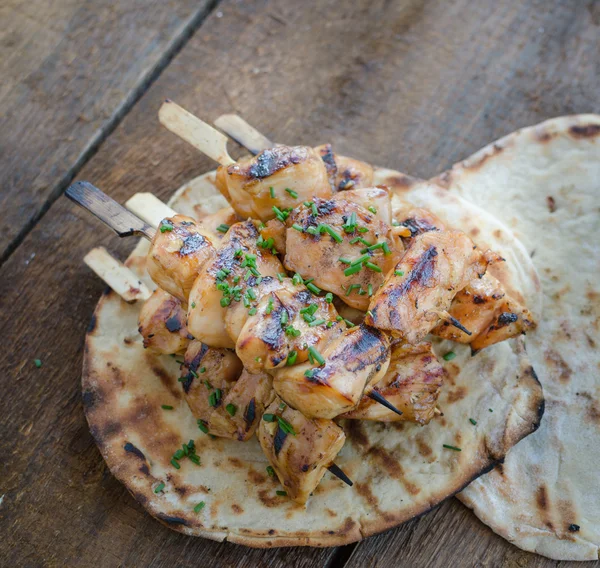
(410, 84)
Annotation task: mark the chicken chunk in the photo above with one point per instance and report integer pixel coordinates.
(345, 173)
(334, 381)
(346, 249)
(180, 248)
(230, 278)
(436, 266)
(162, 324)
(242, 408)
(299, 449)
(277, 178)
(412, 384)
(288, 321)
(207, 376)
(376, 198)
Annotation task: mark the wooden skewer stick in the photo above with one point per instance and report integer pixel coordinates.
(149, 208)
(374, 395)
(452, 320)
(121, 221)
(195, 131)
(339, 473)
(238, 129)
(120, 278)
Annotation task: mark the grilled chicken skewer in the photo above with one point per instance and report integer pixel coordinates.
(181, 236)
(344, 173)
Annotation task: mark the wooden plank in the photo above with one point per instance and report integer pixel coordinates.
(406, 84)
(69, 72)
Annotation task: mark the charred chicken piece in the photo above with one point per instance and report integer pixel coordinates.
(334, 381)
(162, 324)
(232, 277)
(179, 250)
(288, 321)
(345, 173)
(345, 248)
(207, 376)
(436, 266)
(413, 383)
(298, 448)
(242, 407)
(276, 179)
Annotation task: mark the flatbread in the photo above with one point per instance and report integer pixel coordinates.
(399, 470)
(544, 183)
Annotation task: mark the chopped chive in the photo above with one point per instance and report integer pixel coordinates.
(269, 308)
(449, 356)
(490, 410)
(316, 356)
(166, 407)
(292, 331)
(199, 507)
(349, 323)
(360, 259)
(293, 194)
(225, 302)
(281, 215)
(352, 270)
(280, 276)
(166, 225)
(363, 230)
(272, 192)
(223, 228)
(37, 363)
(316, 322)
(281, 493)
(252, 311)
(350, 224)
(372, 210)
(312, 230)
(352, 287)
(386, 249)
(360, 240)
(398, 273)
(285, 426)
(175, 463)
(345, 260)
(329, 297)
(231, 409)
(194, 304)
(298, 227)
(370, 289)
(452, 448)
(309, 373)
(315, 210)
(372, 267)
(307, 203)
(283, 318)
(270, 471)
(297, 279)
(474, 422)
(313, 288)
(194, 374)
(291, 358)
(202, 370)
(332, 232)
(251, 294)
(202, 425)
(269, 417)
(308, 318)
(159, 487)
(194, 458)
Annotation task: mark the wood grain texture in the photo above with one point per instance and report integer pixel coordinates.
(69, 70)
(411, 84)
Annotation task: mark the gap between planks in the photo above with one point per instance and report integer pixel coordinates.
(88, 152)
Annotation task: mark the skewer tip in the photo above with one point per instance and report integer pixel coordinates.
(339, 473)
(374, 395)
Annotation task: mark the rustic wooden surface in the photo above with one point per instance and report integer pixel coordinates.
(412, 84)
(68, 74)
